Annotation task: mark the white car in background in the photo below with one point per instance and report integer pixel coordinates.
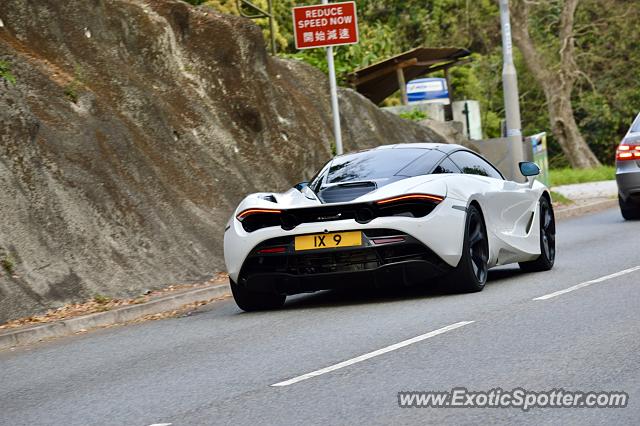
(397, 214)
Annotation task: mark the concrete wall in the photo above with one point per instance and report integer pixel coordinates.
(434, 111)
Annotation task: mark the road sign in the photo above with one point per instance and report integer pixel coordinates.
(324, 25)
(327, 25)
(540, 155)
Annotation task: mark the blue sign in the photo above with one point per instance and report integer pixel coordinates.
(427, 89)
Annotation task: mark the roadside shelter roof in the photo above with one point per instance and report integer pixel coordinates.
(380, 80)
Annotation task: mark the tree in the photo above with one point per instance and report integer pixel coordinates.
(555, 69)
(578, 62)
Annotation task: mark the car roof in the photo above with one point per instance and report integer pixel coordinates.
(445, 148)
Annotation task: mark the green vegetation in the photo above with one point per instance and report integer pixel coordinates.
(560, 199)
(5, 73)
(100, 299)
(414, 115)
(231, 7)
(71, 91)
(8, 264)
(567, 176)
(606, 53)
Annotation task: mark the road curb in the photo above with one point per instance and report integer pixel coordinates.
(121, 315)
(128, 313)
(568, 212)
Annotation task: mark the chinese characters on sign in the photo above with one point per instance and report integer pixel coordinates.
(325, 25)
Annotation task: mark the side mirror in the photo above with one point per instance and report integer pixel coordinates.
(300, 186)
(530, 170)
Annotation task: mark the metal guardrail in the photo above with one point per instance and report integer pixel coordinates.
(259, 13)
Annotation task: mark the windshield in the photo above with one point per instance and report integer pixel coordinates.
(382, 164)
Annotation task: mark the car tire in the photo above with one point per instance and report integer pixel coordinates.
(471, 273)
(629, 210)
(547, 257)
(250, 301)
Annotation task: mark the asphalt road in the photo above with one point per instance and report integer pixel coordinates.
(218, 365)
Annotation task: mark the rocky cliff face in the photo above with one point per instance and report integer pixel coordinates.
(133, 130)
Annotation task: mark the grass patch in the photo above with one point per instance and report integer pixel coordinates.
(5, 73)
(569, 176)
(414, 115)
(560, 199)
(72, 90)
(8, 265)
(100, 299)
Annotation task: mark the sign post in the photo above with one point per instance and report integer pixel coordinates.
(511, 97)
(327, 25)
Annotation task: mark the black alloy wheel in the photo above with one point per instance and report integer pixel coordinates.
(471, 273)
(250, 301)
(547, 240)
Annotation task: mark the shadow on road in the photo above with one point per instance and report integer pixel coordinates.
(345, 297)
(388, 293)
(497, 275)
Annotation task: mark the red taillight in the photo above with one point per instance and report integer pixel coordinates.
(250, 212)
(270, 250)
(628, 152)
(411, 197)
(254, 219)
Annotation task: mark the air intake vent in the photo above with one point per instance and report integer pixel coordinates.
(345, 192)
(269, 198)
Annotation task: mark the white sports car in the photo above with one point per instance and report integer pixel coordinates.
(401, 214)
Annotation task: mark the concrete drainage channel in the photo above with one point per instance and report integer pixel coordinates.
(585, 207)
(19, 337)
(25, 336)
(587, 197)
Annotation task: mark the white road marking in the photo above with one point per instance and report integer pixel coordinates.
(161, 424)
(372, 354)
(588, 283)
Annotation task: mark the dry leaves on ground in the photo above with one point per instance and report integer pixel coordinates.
(102, 303)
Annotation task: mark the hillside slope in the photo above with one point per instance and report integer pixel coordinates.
(133, 130)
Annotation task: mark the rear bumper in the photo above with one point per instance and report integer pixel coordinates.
(441, 231)
(628, 179)
(401, 273)
(406, 263)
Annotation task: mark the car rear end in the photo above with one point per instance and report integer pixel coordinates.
(309, 249)
(628, 172)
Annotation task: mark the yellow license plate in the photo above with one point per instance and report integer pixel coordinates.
(327, 241)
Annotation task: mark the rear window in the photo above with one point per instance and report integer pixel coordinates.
(382, 164)
(635, 128)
